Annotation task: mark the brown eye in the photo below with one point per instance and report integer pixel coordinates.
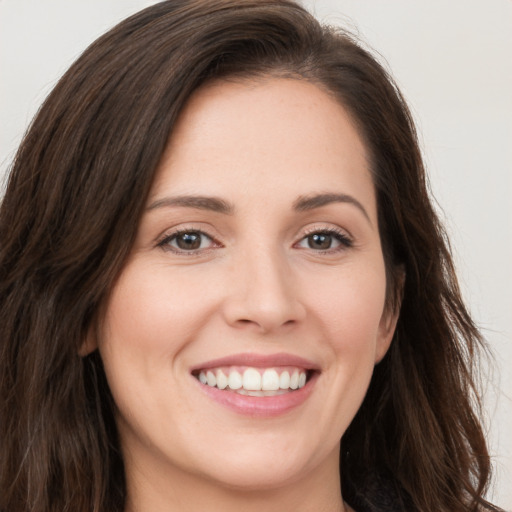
(187, 241)
(329, 240)
(320, 241)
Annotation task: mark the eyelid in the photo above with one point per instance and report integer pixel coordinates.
(325, 227)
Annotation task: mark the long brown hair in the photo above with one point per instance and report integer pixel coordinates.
(68, 220)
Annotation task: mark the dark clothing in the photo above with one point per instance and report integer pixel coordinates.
(378, 495)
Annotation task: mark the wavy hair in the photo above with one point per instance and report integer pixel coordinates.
(76, 192)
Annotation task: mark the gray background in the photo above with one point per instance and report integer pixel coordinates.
(453, 61)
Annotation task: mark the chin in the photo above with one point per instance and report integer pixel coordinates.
(250, 477)
(257, 469)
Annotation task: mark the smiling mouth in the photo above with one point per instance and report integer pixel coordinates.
(251, 381)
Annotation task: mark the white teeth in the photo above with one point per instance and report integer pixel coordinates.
(284, 380)
(254, 382)
(294, 380)
(235, 380)
(222, 380)
(210, 379)
(270, 380)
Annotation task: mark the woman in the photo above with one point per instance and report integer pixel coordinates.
(223, 283)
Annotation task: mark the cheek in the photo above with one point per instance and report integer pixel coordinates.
(152, 313)
(350, 304)
(350, 311)
(347, 308)
(146, 327)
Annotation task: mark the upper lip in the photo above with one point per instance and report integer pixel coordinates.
(258, 361)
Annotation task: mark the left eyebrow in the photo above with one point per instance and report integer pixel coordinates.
(214, 204)
(305, 203)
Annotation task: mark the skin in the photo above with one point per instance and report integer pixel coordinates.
(254, 285)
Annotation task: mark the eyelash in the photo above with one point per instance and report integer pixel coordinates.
(344, 240)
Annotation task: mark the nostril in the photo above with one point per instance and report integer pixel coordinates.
(244, 322)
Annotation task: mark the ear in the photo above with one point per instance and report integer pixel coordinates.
(390, 316)
(386, 331)
(90, 343)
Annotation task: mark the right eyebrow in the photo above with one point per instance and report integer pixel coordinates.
(214, 204)
(305, 203)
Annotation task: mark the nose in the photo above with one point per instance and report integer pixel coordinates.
(262, 293)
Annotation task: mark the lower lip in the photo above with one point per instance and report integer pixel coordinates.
(260, 406)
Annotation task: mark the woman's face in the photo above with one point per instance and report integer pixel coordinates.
(257, 264)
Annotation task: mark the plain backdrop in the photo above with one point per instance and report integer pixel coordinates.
(452, 60)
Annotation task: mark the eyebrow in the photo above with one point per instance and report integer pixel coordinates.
(305, 203)
(214, 204)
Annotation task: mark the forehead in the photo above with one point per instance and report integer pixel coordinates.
(263, 136)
